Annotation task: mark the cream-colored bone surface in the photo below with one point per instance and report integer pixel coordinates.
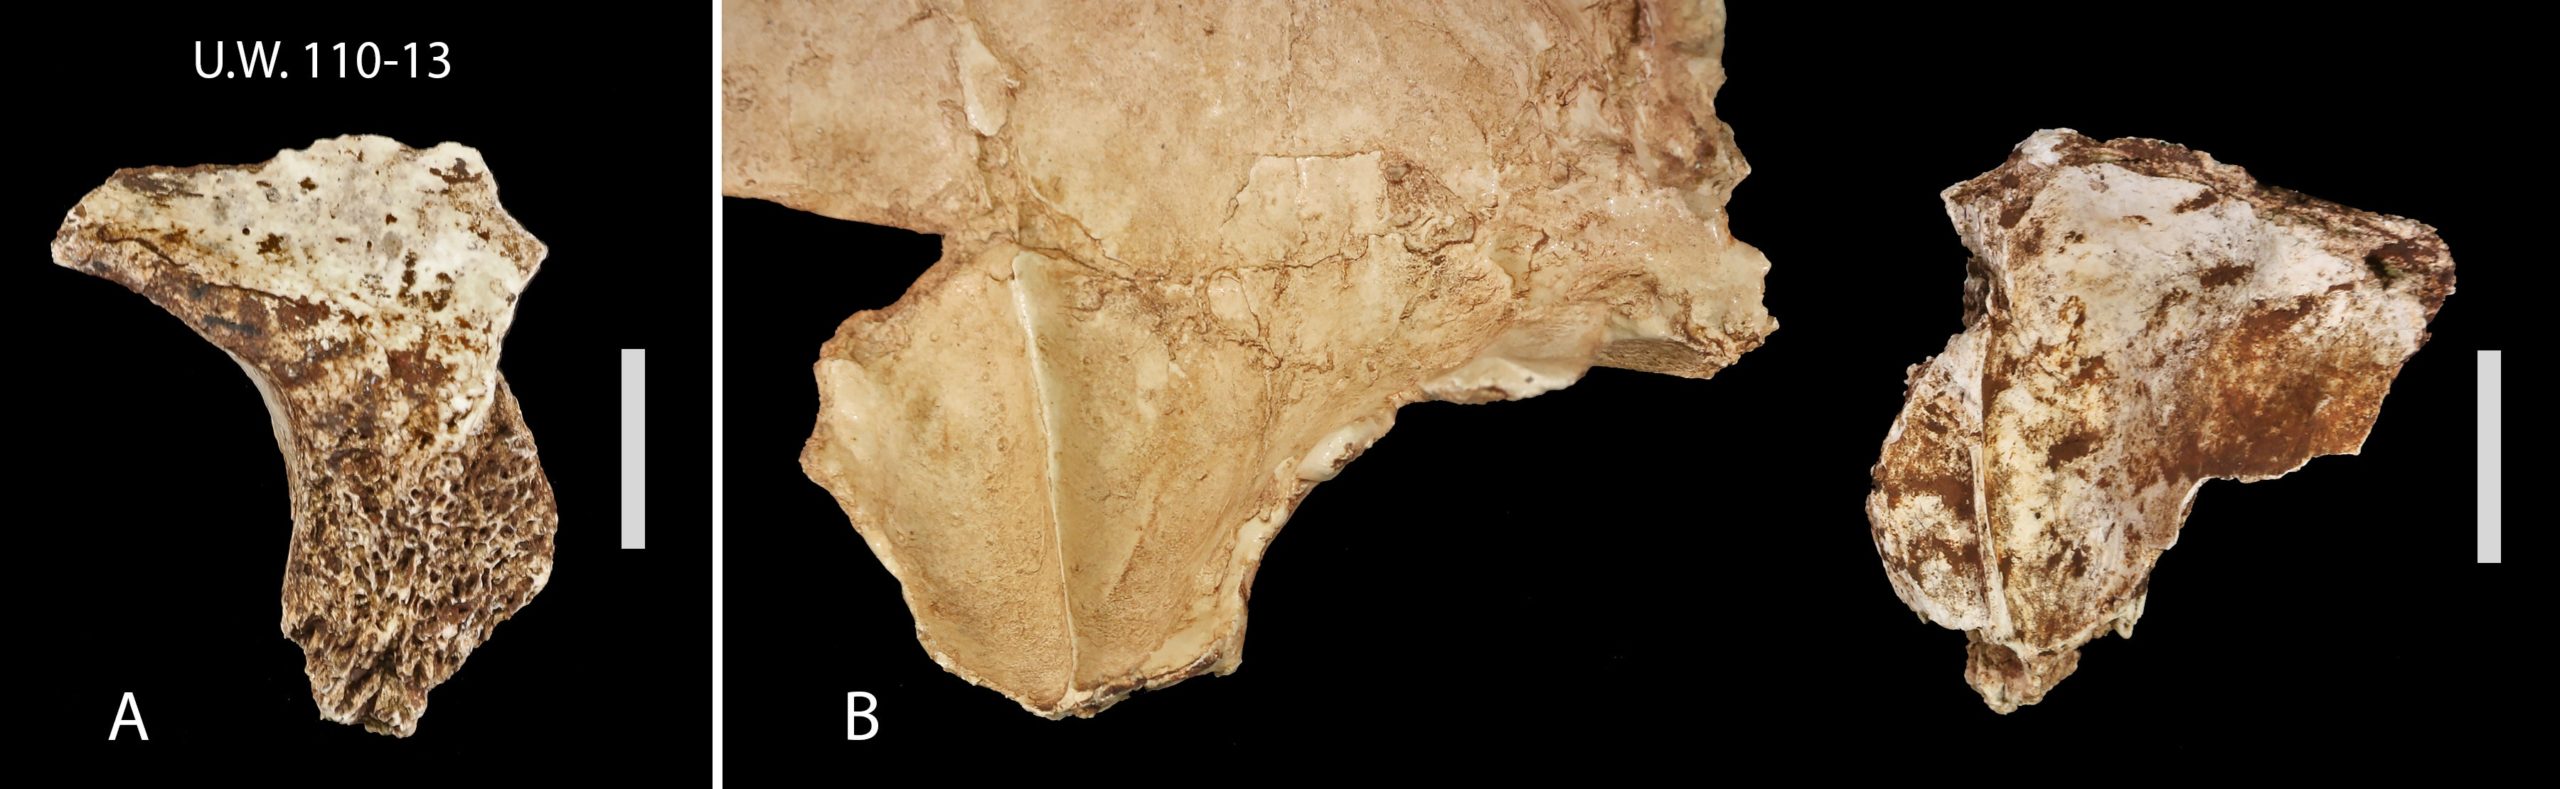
(1194, 258)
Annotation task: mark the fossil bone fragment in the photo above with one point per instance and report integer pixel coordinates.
(2138, 319)
(364, 287)
(1194, 258)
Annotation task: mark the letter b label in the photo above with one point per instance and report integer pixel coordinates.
(860, 723)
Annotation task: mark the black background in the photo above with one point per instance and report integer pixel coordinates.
(1642, 561)
(152, 521)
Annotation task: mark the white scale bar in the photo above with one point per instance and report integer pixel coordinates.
(635, 511)
(2489, 527)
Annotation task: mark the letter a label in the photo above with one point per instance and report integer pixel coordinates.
(134, 711)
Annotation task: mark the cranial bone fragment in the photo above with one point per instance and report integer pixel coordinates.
(1194, 258)
(2138, 319)
(364, 287)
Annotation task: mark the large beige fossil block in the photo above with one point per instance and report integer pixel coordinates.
(2138, 319)
(364, 287)
(1194, 258)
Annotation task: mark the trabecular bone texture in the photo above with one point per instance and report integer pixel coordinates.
(1194, 258)
(2139, 318)
(364, 287)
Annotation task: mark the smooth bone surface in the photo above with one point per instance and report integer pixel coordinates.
(1194, 258)
(2139, 318)
(364, 286)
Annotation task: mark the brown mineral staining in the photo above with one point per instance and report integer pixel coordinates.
(2192, 324)
(1186, 277)
(2224, 274)
(2070, 448)
(421, 516)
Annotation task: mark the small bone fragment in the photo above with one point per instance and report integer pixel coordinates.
(364, 287)
(1194, 258)
(2138, 319)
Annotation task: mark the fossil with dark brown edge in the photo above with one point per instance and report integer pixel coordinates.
(2139, 318)
(364, 286)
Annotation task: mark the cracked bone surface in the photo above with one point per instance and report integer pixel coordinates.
(2138, 319)
(364, 287)
(1193, 260)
